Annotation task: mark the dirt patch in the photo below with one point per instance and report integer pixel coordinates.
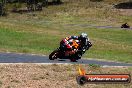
(127, 12)
(51, 76)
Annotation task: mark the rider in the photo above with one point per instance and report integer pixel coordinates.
(67, 43)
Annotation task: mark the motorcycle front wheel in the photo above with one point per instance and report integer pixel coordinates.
(54, 54)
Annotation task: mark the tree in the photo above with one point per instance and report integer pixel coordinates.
(2, 7)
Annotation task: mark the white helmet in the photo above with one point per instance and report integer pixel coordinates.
(84, 35)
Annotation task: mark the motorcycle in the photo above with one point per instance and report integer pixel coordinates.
(73, 55)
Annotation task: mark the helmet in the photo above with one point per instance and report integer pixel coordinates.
(83, 35)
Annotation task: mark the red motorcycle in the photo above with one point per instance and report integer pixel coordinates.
(73, 55)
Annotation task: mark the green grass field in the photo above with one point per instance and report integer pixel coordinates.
(42, 32)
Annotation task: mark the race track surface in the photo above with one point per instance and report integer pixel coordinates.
(27, 58)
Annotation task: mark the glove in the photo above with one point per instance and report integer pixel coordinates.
(89, 44)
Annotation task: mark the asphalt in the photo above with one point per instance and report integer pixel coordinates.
(99, 27)
(27, 58)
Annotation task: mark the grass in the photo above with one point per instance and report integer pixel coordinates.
(40, 33)
(25, 40)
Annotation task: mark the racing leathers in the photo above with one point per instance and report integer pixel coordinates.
(74, 43)
(69, 43)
